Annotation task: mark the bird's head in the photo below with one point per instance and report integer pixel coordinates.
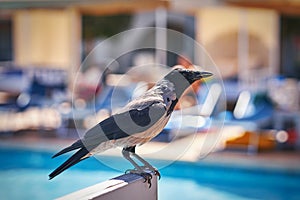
(190, 75)
(183, 78)
(176, 82)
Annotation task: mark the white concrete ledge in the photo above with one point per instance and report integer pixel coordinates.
(125, 187)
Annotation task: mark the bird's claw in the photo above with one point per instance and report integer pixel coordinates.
(156, 173)
(135, 171)
(152, 169)
(147, 176)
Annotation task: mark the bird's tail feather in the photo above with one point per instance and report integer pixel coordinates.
(76, 145)
(77, 157)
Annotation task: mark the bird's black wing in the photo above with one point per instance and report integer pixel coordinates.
(115, 127)
(124, 124)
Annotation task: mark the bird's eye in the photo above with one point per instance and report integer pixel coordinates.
(168, 99)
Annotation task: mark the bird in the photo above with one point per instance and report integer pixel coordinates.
(135, 124)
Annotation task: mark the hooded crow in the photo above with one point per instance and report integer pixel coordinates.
(137, 123)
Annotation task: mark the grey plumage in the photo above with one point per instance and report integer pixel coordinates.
(137, 123)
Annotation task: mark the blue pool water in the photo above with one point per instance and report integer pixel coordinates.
(24, 175)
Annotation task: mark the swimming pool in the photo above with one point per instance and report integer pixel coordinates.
(24, 175)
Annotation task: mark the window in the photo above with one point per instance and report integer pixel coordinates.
(6, 43)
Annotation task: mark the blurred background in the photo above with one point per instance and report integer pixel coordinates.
(48, 97)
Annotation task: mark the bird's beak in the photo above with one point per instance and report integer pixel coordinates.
(197, 75)
(205, 74)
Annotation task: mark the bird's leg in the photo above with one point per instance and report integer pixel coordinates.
(138, 169)
(147, 165)
(126, 154)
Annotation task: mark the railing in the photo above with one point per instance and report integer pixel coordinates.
(125, 187)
